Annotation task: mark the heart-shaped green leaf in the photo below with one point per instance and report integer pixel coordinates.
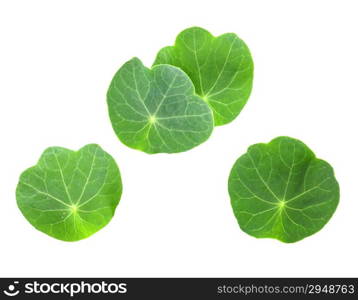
(156, 110)
(70, 195)
(281, 190)
(221, 69)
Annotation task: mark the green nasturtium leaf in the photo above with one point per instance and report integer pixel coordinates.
(221, 69)
(70, 195)
(156, 110)
(281, 190)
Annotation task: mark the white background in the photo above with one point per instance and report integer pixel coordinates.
(175, 219)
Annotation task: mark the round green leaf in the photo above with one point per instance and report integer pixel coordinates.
(156, 110)
(281, 190)
(70, 195)
(221, 69)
